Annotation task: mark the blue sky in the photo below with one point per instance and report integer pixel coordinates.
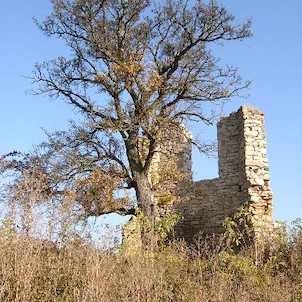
(272, 59)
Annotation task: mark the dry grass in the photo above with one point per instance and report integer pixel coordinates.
(33, 270)
(77, 270)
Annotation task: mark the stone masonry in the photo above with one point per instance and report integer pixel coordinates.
(243, 178)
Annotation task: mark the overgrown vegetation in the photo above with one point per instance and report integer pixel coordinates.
(76, 268)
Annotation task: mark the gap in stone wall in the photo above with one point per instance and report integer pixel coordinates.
(204, 167)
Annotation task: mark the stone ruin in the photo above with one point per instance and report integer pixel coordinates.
(243, 177)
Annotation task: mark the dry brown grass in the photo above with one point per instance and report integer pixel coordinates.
(76, 270)
(33, 270)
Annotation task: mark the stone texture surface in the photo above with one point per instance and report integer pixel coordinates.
(243, 177)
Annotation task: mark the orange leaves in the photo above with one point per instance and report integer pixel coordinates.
(155, 81)
(130, 67)
(98, 185)
(97, 191)
(32, 186)
(135, 72)
(100, 78)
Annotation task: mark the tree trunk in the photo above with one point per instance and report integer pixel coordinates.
(143, 190)
(146, 202)
(145, 196)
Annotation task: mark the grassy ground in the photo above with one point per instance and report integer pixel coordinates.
(33, 270)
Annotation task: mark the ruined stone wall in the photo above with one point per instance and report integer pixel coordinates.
(243, 178)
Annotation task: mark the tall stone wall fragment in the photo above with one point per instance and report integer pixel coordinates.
(243, 177)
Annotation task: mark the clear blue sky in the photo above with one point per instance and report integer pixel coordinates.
(272, 59)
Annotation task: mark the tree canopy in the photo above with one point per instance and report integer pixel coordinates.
(135, 69)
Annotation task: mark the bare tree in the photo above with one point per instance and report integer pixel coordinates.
(135, 69)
